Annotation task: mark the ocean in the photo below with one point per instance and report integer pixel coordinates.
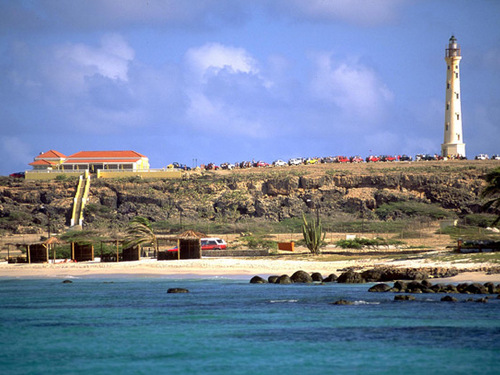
(131, 325)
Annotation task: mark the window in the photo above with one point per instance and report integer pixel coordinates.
(458, 136)
(447, 106)
(458, 116)
(456, 74)
(448, 67)
(457, 95)
(448, 85)
(447, 125)
(456, 66)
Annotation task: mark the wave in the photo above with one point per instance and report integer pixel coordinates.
(283, 301)
(366, 303)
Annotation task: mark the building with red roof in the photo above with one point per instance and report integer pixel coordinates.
(91, 160)
(51, 159)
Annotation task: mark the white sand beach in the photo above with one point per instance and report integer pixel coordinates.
(234, 267)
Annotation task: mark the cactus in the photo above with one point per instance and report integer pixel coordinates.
(313, 234)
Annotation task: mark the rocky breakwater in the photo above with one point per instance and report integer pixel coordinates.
(424, 286)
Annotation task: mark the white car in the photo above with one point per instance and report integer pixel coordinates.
(495, 157)
(295, 161)
(482, 157)
(279, 163)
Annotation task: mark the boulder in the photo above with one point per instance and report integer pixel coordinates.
(449, 299)
(415, 287)
(482, 300)
(342, 302)
(351, 277)
(258, 280)
(490, 287)
(67, 282)
(404, 297)
(400, 286)
(330, 278)
(272, 279)
(301, 277)
(317, 277)
(284, 279)
(380, 288)
(177, 290)
(476, 288)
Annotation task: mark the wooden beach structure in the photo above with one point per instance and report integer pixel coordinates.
(188, 246)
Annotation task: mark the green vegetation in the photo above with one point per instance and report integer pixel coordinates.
(359, 243)
(259, 242)
(411, 209)
(140, 232)
(492, 191)
(313, 234)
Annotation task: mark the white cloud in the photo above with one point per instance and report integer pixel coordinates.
(353, 87)
(211, 58)
(110, 59)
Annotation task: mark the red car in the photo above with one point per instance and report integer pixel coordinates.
(213, 244)
(372, 159)
(342, 159)
(356, 159)
(261, 164)
(387, 158)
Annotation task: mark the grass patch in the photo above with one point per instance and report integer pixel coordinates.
(359, 243)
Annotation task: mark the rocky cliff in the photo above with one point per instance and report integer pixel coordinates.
(270, 194)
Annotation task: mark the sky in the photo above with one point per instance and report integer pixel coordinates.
(199, 81)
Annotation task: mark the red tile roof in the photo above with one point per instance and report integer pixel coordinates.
(106, 155)
(51, 154)
(99, 161)
(42, 162)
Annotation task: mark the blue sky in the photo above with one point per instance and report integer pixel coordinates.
(231, 80)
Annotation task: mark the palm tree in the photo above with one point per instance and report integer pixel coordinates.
(140, 232)
(492, 190)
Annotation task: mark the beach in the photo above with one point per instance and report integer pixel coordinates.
(238, 267)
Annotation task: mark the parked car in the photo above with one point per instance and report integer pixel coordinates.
(211, 166)
(482, 157)
(261, 163)
(328, 159)
(372, 158)
(356, 159)
(311, 161)
(213, 243)
(227, 166)
(279, 163)
(387, 158)
(405, 157)
(17, 175)
(495, 157)
(295, 161)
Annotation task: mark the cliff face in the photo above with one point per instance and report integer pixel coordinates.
(271, 196)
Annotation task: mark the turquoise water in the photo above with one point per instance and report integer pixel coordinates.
(228, 326)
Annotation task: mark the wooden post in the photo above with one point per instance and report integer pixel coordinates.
(117, 251)
(28, 254)
(72, 251)
(178, 249)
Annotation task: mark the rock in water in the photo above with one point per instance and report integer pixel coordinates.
(177, 290)
(67, 282)
(257, 280)
(317, 277)
(379, 288)
(449, 299)
(272, 279)
(403, 297)
(301, 277)
(284, 279)
(342, 302)
(351, 277)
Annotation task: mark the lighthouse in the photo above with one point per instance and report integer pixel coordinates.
(453, 144)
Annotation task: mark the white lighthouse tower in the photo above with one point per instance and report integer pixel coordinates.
(453, 144)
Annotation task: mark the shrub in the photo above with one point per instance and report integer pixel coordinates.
(394, 210)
